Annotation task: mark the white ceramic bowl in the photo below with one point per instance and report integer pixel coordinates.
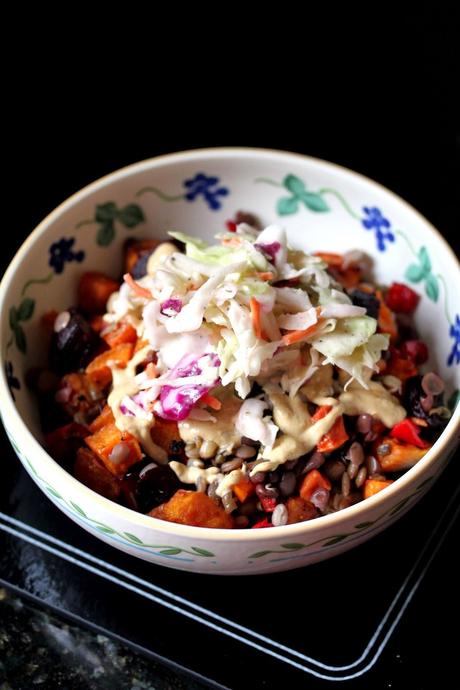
(323, 207)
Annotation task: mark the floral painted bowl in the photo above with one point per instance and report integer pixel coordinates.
(323, 207)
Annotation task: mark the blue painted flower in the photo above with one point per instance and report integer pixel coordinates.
(455, 334)
(13, 382)
(376, 221)
(61, 252)
(201, 184)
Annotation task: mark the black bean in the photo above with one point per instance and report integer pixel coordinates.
(364, 423)
(246, 441)
(258, 477)
(147, 485)
(274, 477)
(266, 491)
(367, 300)
(73, 346)
(287, 484)
(333, 469)
(315, 461)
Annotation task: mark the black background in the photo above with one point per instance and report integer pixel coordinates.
(375, 99)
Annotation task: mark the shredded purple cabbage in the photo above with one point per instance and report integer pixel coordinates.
(171, 307)
(270, 250)
(177, 403)
(124, 410)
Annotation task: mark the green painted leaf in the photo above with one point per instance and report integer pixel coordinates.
(259, 554)
(432, 287)
(53, 492)
(336, 539)
(315, 202)
(415, 273)
(26, 309)
(425, 481)
(363, 525)
(400, 505)
(202, 552)
(173, 551)
(105, 530)
(293, 547)
(133, 538)
(106, 212)
(454, 400)
(424, 259)
(77, 508)
(106, 234)
(294, 184)
(14, 318)
(287, 205)
(131, 215)
(20, 338)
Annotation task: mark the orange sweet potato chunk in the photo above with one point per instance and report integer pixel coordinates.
(165, 433)
(98, 369)
(90, 471)
(193, 508)
(103, 441)
(94, 289)
(401, 456)
(373, 486)
(299, 510)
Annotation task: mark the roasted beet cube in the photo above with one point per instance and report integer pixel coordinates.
(74, 345)
(367, 300)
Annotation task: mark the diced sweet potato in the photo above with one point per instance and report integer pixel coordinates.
(299, 510)
(90, 471)
(97, 323)
(396, 456)
(312, 481)
(106, 417)
(243, 490)
(373, 486)
(94, 289)
(165, 433)
(193, 508)
(103, 442)
(122, 333)
(98, 369)
(63, 442)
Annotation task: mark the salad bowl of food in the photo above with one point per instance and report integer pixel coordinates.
(232, 361)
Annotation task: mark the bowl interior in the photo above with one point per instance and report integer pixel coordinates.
(323, 207)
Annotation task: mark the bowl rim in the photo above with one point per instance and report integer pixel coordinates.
(9, 411)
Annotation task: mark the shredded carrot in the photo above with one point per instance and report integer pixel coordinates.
(265, 275)
(211, 401)
(295, 336)
(135, 287)
(231, 241)
(256, 318)
(151, 370)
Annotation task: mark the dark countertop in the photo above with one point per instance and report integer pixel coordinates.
(39, 650)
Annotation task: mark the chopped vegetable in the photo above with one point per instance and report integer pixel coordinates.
(312, 481)
(94, 289)
(90, 471)
(401, 298)
(268, 503)
(211, 401)
(335, 437)
(104, 441)
(395, 456)
(386, 319)
(106, 417)
(409, 432)
(122, 333)
(165, 433)
(256, 319)
(99, 370)
(300, 510)
(373, 486)
(243, 490)
(193, 508)
(261, 524)
(415, 350)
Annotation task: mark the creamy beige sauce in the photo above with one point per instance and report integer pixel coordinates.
(320, 384)
(299, 435)
(222, 431)
(124, 384)
(376, 401)
(190, 475)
